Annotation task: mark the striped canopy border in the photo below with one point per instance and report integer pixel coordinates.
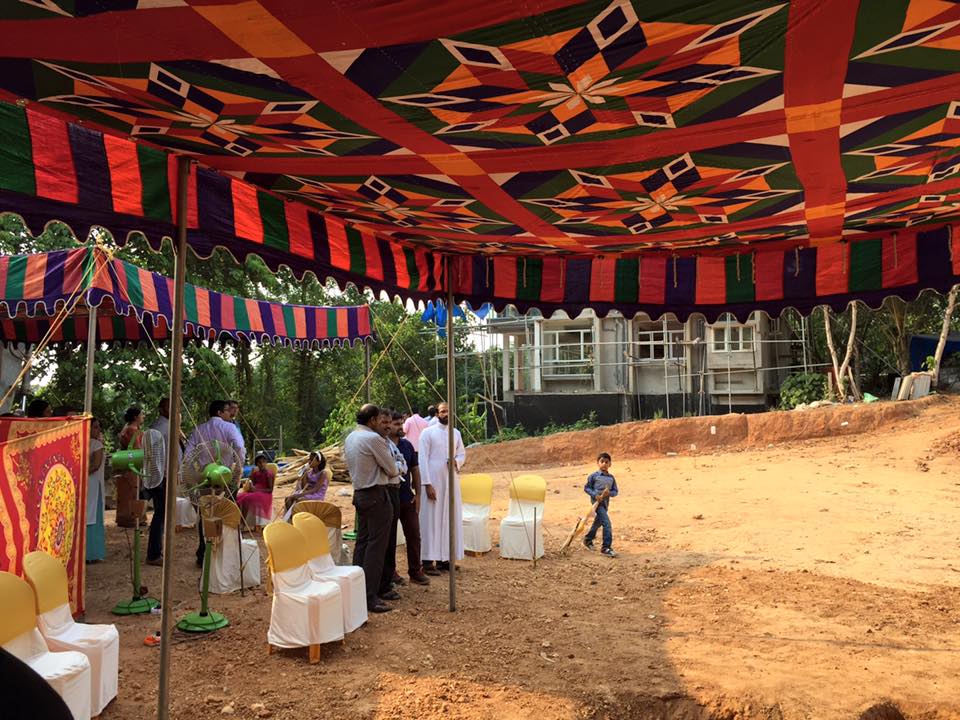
(140, 305)
(903, 263)
(55, 170)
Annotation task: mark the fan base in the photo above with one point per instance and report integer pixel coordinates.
(135, 606)
(199, 623)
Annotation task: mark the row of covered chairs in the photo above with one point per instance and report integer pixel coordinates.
(81, 662)
(315, 601)
(521, 531)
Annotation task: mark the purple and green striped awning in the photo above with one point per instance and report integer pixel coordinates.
(136, 305)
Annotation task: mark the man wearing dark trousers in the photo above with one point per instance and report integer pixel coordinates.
(408, 494)
(389, 577)
(371, 467)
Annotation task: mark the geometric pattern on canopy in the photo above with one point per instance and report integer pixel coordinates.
(573, 128)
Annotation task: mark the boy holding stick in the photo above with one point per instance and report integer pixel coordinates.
(601, 486)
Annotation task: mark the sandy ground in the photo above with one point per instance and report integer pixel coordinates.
(812, 579)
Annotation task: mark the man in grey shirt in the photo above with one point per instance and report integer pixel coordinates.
(371, 466)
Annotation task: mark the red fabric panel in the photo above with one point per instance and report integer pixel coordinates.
(505, 277)
(900, 259)
(552, 281)
(371, 253)
(439, 271)
(711, 280)
(149, 291)
(246, 212)
(276, 310)
(339, 247)
(399, 261)
(300, 320)
(52, 158)
(343, 322)
(228, 318)
(653, 280)
(833, 270)
(464, 274)
(768, 267)
(253, 315)
(298, 229)
(603, 280)
(363, 320)
(124, 175)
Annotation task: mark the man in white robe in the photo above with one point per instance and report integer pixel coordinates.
(435, 506)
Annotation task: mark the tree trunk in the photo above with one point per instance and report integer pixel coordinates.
(840, 369)
(901, 343)
(944, 331)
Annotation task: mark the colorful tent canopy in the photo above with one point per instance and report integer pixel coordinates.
(136, 305)
(645, 156)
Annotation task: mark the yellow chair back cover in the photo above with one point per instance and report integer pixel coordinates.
(315, 533)
(327, 512)
(213, 507)
(48, 578)
(286, 546)
(18, 612)
(476, 488)
(528, 488)
(274, 467)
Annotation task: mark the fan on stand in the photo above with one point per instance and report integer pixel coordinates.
(210, 470)
(135, 461)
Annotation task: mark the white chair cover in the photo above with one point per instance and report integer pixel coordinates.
(516, 531)
(335, 540)
(68, 673)
(401, 538)
(186, 513)
(100, 643)
(305, 611)
(476, 537)
(353, 588)
(225, 563)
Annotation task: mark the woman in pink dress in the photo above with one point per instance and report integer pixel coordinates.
(256, 504)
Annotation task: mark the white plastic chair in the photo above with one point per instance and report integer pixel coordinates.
(233, 553)
(305, 612)
(517, 537)
(477, 493)
(350, 578)
(68, 673)
(100, 643)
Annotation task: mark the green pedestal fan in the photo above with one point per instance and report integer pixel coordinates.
(139, 604)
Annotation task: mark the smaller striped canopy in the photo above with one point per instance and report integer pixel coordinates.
(137, 305)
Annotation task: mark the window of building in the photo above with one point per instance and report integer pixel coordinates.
(653, 342)
(731, 336)
(568, 353)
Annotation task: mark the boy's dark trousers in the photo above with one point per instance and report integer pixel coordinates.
(601, 520)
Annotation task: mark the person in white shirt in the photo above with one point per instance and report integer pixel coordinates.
(435, 508)
(154, 483)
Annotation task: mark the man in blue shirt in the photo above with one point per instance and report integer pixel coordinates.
(409, 501)
(601, 486)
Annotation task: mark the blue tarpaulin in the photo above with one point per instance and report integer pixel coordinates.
(923, 346)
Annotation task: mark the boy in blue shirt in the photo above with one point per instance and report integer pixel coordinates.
(601, 486)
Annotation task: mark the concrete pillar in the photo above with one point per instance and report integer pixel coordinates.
(536, 381)
(506, 365)
(597, 358)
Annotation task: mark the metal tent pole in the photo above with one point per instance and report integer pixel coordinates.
(91, 357)
(451, 425)
(173, 449)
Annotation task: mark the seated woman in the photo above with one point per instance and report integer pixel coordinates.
(256, 503)
(312, 484)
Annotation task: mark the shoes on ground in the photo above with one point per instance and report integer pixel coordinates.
(609, 552)
(398, 581)
(392, 595)
(431, 570)
(588, 544)
(157, 562)
(420, 579)
(380, 607)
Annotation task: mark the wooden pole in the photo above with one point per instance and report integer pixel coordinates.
(451, 445)
(173, 446)
(91, 360)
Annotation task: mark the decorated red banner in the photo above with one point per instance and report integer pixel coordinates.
(43, 490)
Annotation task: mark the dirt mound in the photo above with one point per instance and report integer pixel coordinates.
(696, 434)
(679, 707)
